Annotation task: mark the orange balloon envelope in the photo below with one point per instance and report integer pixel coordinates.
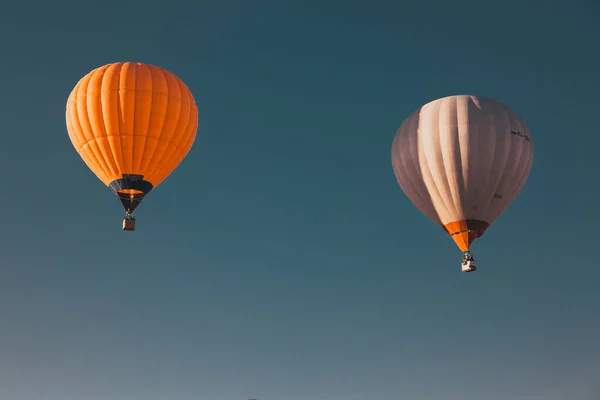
(132, 124)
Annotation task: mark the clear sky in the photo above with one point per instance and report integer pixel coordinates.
(281, 260)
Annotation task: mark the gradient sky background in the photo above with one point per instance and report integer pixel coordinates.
(281, 260)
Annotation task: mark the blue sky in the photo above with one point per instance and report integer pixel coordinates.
(281, 260)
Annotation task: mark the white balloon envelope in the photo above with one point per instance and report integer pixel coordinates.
(462, 160)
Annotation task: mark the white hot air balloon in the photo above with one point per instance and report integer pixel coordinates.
(462, 160)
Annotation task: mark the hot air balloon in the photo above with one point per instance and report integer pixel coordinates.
(462, 160)
(132, 124)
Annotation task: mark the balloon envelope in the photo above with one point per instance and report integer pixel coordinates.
(462, 160)
(132, 124)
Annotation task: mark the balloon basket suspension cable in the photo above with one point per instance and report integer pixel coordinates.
(129, 220)
(468, 262)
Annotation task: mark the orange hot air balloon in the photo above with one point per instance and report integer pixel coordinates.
(462, 160)
(132, 124)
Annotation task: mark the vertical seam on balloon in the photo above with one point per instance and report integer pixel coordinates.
(82, 137)
(180, 154)
(184, 131)
(87, 108)
(164, 118)
(135, 86)
(529, 162)
(474, 161)
(102, 134)
(491, 130)
(426, 171)
(145, 137)
(403, 179)
(522, 165)
(513, 188)
(117, 155)
(81, 134)
(486, 190)
(190, 129)
(120, 117)
(441, 202)
(447, 132)
(468, 169)
(159, 160)
(506, 157)
(130, 113)
(145, 167)
(525, 170)
(398, 164)
(71, 110)
(442, 182)
(111, 166)
(82, 140)
(187, 140)
(423, 192)
(455, 184)
(88, 143)
(162, 160)
(425, 197)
